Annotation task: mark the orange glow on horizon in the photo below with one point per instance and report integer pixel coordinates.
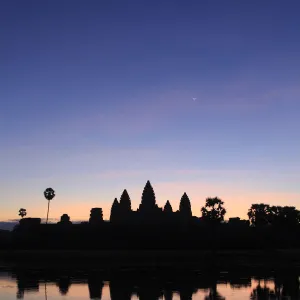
(236, 205)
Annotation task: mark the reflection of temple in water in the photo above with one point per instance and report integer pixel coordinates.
(120, 289)
(95, 284)
(154, 286)
(168, 293)
(64, 284)
(149, 289)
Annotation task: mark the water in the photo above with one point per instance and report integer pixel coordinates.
(22, 283)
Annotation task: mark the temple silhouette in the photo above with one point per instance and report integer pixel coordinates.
(148, 211)
(284, 285)
(153, 227)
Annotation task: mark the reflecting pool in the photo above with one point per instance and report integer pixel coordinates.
(24, 283)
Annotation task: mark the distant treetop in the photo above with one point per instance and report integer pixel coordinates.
(49, 194)
(213, 210)
(22, 212)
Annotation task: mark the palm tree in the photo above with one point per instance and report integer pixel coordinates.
(22, 212)
(213, 211)
(49, 194)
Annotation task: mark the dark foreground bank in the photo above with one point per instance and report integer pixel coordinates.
(156, 258)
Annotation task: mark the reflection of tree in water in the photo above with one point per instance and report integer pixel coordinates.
(168, 293)
(95, 283)
(20, 294)
(239, 281)
(124, 286)
(46, 294)
(26, 282)
(286, 287)
(214, 295)
(262, 293)
(186, 291)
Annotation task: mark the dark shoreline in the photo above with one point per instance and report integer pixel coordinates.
(185, 259)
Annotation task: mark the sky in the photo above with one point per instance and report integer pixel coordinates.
(97, 96)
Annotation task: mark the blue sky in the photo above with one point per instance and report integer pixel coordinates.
(97, 97)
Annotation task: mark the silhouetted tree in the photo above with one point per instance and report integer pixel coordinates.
(22, 212)
(274, 213)
(185, 206)
(259, 214)
(168, 208)
(49, 194)
(114, 212)
(284, 216)
(96, 216)
(213, 211)
(64, 220)
(291, 215)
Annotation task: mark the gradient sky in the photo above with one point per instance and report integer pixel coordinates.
(96, 96)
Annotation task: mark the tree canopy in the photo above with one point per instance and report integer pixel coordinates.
(213, 210)
(264, 214)
(22, 212)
